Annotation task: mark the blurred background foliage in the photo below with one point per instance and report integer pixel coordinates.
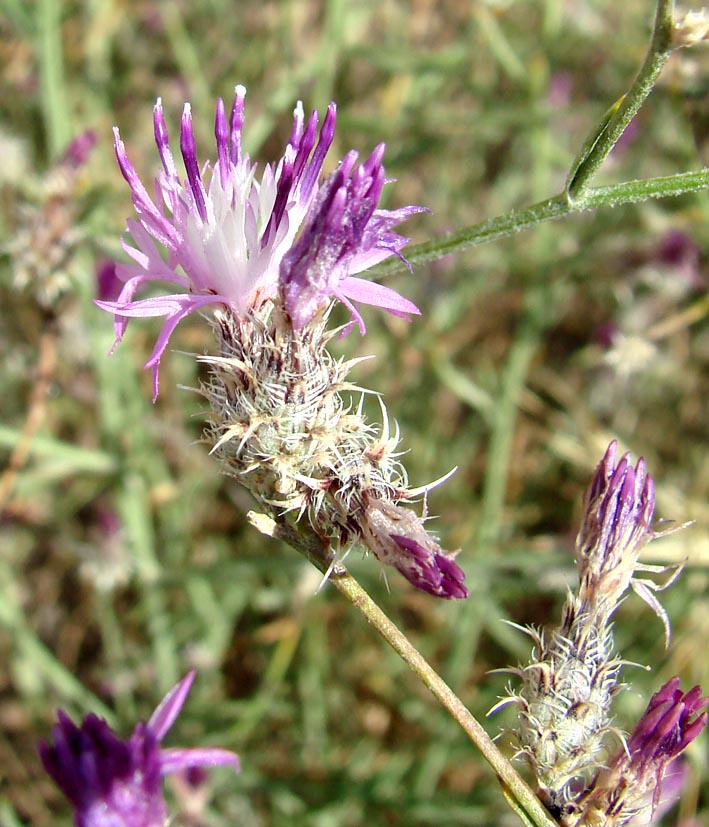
(126, 559)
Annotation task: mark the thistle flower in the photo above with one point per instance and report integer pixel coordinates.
(79, 150)
(677, 255)
(227, 235)
(111, 782)
(618, 509)
(272, 256)
(690, 28)
(618, 506)
(569, 685)
(398, 538)
(630, 787)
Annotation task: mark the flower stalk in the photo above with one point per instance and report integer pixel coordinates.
(517, 792)
(550, 209)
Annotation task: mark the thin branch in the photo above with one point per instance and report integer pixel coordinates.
(606, 134)
(306, 542)
(577, 195)
(615, 195)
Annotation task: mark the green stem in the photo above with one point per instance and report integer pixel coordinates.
(577, 195)
(309, 544)
(615, 195)
(606, 134)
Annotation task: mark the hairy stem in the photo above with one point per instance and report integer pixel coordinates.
(615, 195)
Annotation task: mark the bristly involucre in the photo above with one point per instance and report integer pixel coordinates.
(281, 426)
(568, 687)
(565, 704)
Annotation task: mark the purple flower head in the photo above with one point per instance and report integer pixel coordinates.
(618, 510)
(108, 285)
(561, 86)
(226, 233)
(644, 776)
(606, 335)
(79, 150)
(111, 782)
(397, 537)
(343, 234)
(672, 720)
(680, 253)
